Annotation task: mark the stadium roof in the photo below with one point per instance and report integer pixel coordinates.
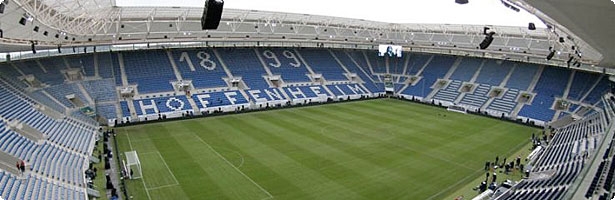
(390, 11)
(431, 28)
(590, 20)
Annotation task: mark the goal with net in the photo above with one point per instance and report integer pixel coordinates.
(132, 166)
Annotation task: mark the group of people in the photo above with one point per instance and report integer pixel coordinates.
(21, 166)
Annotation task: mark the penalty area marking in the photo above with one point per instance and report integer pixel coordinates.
(241, 159)
(167, 166)
(142, 178)
(233, 166)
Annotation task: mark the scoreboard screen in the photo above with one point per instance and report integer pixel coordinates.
(389, 50)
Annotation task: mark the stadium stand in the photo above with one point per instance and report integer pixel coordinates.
(58, 161)
(437, 68)
(478, 98)
(204, 73)
(353, 66)
(244, 63)
(550, 86)
(150, 70)
(52, 68)
(377, 63)
(83, 62)
(561, 161)
(108, 66)
(60, 158)
(450, 92)
(416, 63)
(581, 84)
(102, 90)
(322, 62)
(493, 73)
(522, 76)
(285, 62)
(60, 92)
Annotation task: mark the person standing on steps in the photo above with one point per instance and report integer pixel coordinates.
(23, 167)
(18, 165)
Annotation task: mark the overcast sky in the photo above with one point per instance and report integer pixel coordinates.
(479, 12)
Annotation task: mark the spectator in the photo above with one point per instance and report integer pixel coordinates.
(23, 167)
(18, 165)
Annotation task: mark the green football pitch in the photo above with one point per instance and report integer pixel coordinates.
(376, 149)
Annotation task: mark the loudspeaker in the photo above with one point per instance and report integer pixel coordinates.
(486, 42)
(531, 26)
(212, 14)
(33, 48)
(22, 21)
(550, 56)
(2, 8)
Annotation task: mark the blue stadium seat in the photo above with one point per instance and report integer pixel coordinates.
(551, 85)
(466, 69)
(492, 73)
(150, 70)
(322, 62)
(205, 71)
(285, 62)
(245, 63)
(437, 68)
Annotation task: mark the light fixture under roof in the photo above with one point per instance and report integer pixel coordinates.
(461, 1)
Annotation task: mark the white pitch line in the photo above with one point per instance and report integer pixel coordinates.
(165, 164)
(160, 187)
(459, 182)
(454, 185)
(129, 143)
(142, 178)
(237, 169)
(411, 149)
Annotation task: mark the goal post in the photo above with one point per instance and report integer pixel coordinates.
(133, 164)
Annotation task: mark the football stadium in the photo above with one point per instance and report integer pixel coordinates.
(272, 99)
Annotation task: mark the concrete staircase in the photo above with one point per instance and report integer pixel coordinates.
(122, 69)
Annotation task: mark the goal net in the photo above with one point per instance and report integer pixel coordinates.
(133, 165)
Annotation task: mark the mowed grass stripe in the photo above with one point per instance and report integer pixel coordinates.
(276, 183)
(370, 155)
(478, 136)
(187, 171)
(311, 184)
(367, 129)
(428, 168)
(232, 182)
(381, 158)
(363, 114)
(350, 171)
(422, 136)
(301, 158)
(492, 134)
(378, 152)
(379, 149)
(153, 166)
